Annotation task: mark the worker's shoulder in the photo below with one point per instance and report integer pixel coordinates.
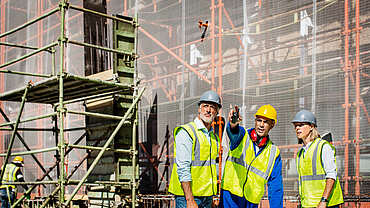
(185, 130)
(187, 126)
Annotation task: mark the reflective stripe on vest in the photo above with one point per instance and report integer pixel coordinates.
(245, 174)
(9, 175)
(241, 161)
(314, 175)
(312, 178)
(196, 161)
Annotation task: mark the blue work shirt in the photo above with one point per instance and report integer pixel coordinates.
(274, 183)
(184, 148)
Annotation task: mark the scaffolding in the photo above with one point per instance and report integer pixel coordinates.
(61, 89)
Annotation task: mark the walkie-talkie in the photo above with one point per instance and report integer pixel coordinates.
(235, 116)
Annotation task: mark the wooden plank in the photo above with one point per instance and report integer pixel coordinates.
(104, 101)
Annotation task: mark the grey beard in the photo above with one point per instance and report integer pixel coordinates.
(205, 119)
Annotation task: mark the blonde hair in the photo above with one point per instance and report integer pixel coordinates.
(314, 133)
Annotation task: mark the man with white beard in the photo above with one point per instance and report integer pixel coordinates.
(194, 178)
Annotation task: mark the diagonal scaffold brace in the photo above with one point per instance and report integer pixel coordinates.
(14, 131)
(98, 157)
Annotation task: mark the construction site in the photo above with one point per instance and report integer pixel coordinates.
(91, 91)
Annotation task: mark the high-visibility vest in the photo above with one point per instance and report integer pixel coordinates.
(203, 164)
(9, 175)
(312, 179)
(246, 175)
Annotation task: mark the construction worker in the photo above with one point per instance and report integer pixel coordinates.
(12, 174)
(316, 165)
(194, 177)
(253, 160)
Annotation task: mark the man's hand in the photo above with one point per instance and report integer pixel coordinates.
(215, 202)
(191, 204)
(234, 112)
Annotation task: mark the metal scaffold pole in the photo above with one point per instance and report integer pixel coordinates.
(60, 108)
(135, 126)
(314, 31)
(358, 100)
(346, 98)
(182, 102)
(245, 60)
(134, 159)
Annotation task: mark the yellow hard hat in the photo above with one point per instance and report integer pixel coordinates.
(18, 159)
(267, 111)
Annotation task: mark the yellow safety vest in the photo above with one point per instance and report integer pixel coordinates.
(245, 174)
(10, 175)
(203, 164)
(312, 179)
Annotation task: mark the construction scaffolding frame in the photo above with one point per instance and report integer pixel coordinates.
(59, 89)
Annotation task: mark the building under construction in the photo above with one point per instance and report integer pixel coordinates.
(90, 91)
